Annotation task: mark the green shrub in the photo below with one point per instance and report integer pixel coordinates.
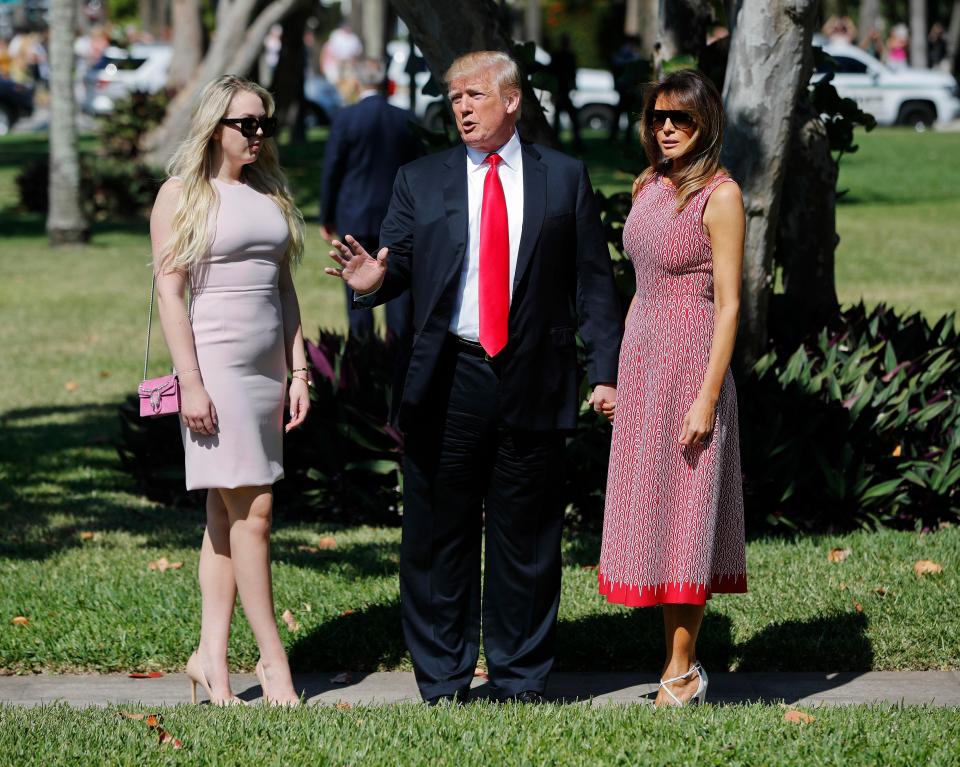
(115, 183)
(858, 425)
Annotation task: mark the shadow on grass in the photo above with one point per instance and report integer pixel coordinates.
(61, 476)
(368, 639)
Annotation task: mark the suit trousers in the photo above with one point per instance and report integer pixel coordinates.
(465, 469)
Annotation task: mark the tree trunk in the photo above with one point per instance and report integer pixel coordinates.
(533, 21)
(683, 28)
(807, 231)
(187, 42)
(444, 30)
(770, 61)
(65, 219)
(869, 11)
(233, 50)
(918, 33)
(152, 17)
(953, 35)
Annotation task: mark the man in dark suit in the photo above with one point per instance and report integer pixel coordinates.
(368, 143)
(502, 249)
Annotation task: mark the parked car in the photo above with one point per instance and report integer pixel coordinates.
(916, 97)
(121, 71)
(16, 101)
(595, 96)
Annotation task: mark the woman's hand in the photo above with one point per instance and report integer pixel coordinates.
(698, 423)
(603, 399)
(299, 402)
(196, 408)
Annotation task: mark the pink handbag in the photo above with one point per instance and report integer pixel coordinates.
(158, 396)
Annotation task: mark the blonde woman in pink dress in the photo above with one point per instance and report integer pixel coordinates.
(225, 225)
(673, 524)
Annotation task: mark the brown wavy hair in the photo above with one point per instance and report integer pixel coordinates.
(693, 92)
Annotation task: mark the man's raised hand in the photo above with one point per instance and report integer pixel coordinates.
(356, 267)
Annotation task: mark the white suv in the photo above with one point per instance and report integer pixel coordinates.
(917, 97)
(120, 72)
(595, 97)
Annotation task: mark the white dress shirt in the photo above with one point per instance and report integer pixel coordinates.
(465, 321)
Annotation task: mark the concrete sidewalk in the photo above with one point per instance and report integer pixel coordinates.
(940, 688)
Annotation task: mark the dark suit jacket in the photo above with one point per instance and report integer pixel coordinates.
(563, 281)
(368, 142)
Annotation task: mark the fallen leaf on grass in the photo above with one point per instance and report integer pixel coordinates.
(290, 621)
(308, 549)
(926, 567)
(153, 722)
(843, 586)
(163, 564)
(71, 386)
(145, 674)
(345, 613)
(798, 717)
(327, 542)
(344, 677)
(880, 591)
(342, 705)
(897, 451)
(857, 606)
(307, 607)
(20, 620)
(86, 535)
(838, 555)
(105, 374)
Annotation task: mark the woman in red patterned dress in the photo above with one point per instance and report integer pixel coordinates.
(673, 524)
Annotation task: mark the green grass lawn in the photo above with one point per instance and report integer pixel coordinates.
(72, 331)
(485, 734)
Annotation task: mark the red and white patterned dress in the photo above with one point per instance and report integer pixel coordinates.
(673, 523)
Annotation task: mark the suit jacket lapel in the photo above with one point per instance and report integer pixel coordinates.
(455, 207)
(534, 207)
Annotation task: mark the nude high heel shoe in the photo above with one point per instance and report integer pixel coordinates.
(263, 687)
(700, 696)
(197, 677)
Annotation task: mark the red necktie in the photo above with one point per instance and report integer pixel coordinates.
(494, 262)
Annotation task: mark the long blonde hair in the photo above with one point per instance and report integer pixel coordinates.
(695, 93)
(193, 230)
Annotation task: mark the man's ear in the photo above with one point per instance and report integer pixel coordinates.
(512, 100)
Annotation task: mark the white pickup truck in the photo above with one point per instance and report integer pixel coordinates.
(917, 97)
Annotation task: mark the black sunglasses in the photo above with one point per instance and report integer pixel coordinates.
(680, 119)
(250, 125)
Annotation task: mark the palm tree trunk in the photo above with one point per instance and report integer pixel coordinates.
(65, 219)
(918, 33)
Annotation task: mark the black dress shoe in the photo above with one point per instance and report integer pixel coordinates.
(527, 696)
(459, 698)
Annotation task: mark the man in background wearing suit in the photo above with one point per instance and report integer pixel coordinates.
(500, 244)
(368, 143)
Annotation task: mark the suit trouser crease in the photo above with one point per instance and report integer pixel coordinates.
(462, 467)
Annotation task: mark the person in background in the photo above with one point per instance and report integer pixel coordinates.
(563, 66)
(937, 48)
(898, 44)
(625, 66)
(368, 144)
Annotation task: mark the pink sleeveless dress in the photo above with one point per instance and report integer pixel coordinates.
(673, 523)
(238, 331)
